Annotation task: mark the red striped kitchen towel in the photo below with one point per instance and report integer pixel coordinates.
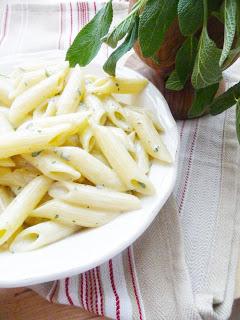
(184, 265)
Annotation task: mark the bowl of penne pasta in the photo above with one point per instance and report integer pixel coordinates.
(86, 163)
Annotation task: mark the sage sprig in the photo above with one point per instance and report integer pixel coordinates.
(199, 60)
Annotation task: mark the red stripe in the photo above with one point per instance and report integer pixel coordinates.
(78, 9)
(134, 284)
(4, 25)
(61, 25)
(87, 12)
(189, 167)
(81, 11)
(91, 290)
(95, 7)
(84, 12)
(53, 291)
(100, 290)
(71, 23)
(114, 289)
(67, 292)
(81, 290)
(95, 291)
(86, 291)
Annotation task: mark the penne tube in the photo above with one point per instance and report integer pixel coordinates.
(87, 139)
(5, 89)
(51, 109)
(52, 166)
(121, 161)
(41, 235)
(72, 141)
(91, 168)
(148, 135)
(31, 78)
(7, 162)
(19, 142)
(18, 177)
(24, 203)
(98, 154)
(39, 111)
(63, 212)
(109, 85)
(93, 103)
(5, 125)
(78, 121)
(4, 110)
(152, 116)
(5, 198)
(22, 163)
(116, 114)
(141, 157)
(124, 138)
(35, 96)
(93, 197)
(72, 93)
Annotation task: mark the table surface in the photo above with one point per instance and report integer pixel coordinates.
(23, 303)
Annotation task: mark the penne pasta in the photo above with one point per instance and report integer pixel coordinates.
(41, 235)
(153, 117)
(93, 197)
(5, 89)
(87, 139)
(18, 177)
(18, 210)
(5, 198)
(78, 121)
(5, 125)
(52, 166)
(123, 137)
(51, 109)
(35, 96)
(141, 157)
(98, 154)
(93, 103)
(121, 161)
(19, 142)
(31, 78)
(63, 212)
(7, 162)
(72, 93)
(149, 136)
(116, 114)
(109, 85)
(91, 168)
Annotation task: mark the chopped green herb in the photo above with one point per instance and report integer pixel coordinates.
(47, 74)
(64, 157)
(36, 153)
(56, 216)
(73, 221)
(53, 162)
(25, 84)
(39, 131)
(142, 185)
(19, 188)
(156, 149)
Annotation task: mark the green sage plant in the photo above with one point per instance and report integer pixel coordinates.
(198, 60)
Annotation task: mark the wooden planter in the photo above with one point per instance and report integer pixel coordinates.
(179, 101)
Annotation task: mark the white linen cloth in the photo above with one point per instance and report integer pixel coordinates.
(184, 265)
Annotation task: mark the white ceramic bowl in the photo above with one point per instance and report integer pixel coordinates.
(90, 248)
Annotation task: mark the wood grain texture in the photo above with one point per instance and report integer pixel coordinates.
(24, 304)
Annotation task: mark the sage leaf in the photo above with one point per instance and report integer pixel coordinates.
(225, 100)
(238, 120)
(173, 82)
(206, 69)
(190, 15)
(120, 31)
(230, 11)
(110, 64)
(155, 20)
(88, 41)
(185, 58)
(203, 97)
